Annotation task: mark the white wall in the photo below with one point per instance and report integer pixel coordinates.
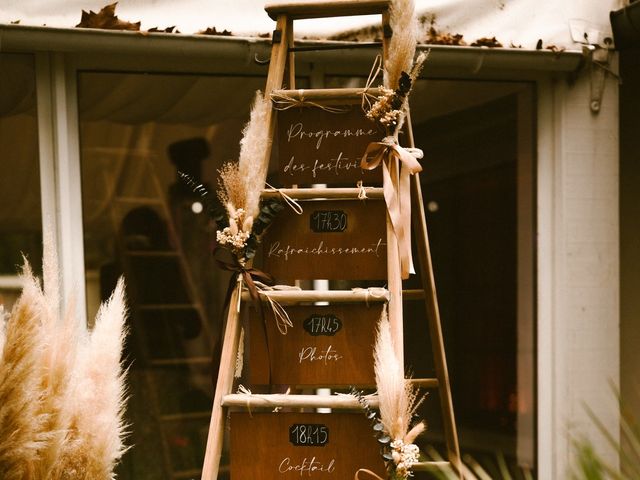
(578, 269)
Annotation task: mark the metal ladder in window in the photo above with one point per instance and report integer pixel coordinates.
(282, 72)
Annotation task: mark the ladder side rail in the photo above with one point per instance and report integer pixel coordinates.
(231, 338)
(224, 385)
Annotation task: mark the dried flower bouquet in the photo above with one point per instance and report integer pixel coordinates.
(400, 70)
(398, 402)
(241, 218)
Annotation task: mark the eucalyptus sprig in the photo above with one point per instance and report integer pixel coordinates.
(398, 457)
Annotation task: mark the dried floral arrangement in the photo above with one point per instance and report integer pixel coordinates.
(241, 217)
(62, 393)
(400, 69)
(389, 111)
(398, 401)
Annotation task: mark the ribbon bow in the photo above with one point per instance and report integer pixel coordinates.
(396, 185)
(248, 274)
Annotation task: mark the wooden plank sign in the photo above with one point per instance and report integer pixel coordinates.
(335, 240)
(316, 146)
(329, 345)
(270, 446)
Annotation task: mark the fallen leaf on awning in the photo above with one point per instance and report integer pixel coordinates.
(487, 42)
(163, 30)
(213, 31)
(435, 37)
(106, 19)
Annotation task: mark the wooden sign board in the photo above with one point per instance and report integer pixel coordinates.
(270, 446)
(316, 146)
(330, 345)
(335, 240)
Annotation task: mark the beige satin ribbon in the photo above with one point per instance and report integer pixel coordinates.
(397, 189)
(368, 472)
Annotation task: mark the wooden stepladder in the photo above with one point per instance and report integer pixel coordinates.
(332, 201)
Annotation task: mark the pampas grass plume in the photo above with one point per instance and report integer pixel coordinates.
(97, 431)
(61, 387)
(252, 164)
(398, 399)
(3, 330)
(21, 419)
(402, 46)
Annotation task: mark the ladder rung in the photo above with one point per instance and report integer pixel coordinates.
(430, 466)
(413, 294)
(325, 94)
(177, 417)
(341, 402)
(424, 382)
(336, 296)
(324, 9)
(323, 193)
(168, 362)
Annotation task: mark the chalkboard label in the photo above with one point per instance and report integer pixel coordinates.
(328, 221)
(308, 435)
(319, 324)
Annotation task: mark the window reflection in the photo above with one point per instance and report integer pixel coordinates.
(20, 208)
(137, 131)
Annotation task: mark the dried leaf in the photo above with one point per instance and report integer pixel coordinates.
(487, 42)
(213, 31)
(164, 30)
(434, 37)
(106, 19)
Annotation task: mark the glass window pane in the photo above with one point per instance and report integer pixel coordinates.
(469, 134)
(20, 208)
(137, 131)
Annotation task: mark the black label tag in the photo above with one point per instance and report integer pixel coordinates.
(308, 435)
(328, 221)
(327, 325)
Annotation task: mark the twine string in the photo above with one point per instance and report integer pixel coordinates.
(295, 206)
(282, 101)
(283, 320)
(362, 192)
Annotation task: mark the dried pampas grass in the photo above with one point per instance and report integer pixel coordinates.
(61, 387)
(3, 324)
(402, 46)
(96, 428)
(252, 164)
(240, 184)
(398, 400)
(22, 434)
